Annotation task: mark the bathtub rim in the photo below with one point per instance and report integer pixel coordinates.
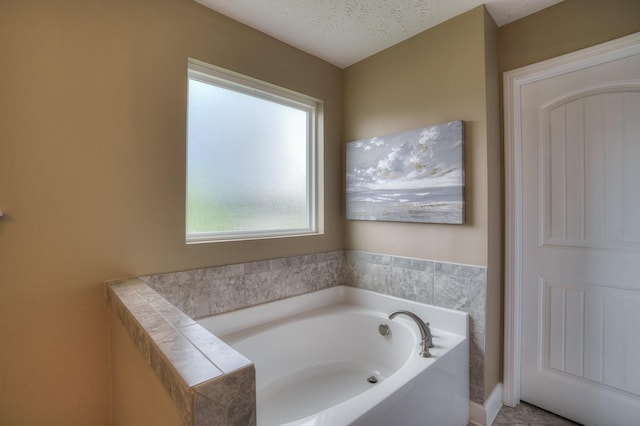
(449, 320)
(451, 325)
(228, 379)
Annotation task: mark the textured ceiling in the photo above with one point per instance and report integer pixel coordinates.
(344, 32)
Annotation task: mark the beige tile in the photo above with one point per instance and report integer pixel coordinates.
(526, 414)
(236, 392)
(222, 355)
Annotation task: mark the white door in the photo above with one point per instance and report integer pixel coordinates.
(580, 247)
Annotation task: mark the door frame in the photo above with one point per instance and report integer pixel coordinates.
(513, 83)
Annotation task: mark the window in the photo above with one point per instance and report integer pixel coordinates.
(251, 158)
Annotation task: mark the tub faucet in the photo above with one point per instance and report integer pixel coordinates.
(425, 331)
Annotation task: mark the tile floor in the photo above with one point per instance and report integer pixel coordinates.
(528, 415)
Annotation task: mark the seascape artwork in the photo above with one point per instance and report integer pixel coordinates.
(411, 176)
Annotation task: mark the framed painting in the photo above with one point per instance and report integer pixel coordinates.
(411, 176)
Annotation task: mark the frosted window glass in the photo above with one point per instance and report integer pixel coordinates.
(248, 163)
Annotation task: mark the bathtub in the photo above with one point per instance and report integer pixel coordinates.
(321, 360)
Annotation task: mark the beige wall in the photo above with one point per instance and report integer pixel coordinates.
(139, 398)
(495, 208)
(92, 154)
(434, 77)
(446, 73)
(566, 27)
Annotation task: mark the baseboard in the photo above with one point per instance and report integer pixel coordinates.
(485, 414)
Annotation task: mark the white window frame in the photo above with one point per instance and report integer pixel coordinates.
(206, 73)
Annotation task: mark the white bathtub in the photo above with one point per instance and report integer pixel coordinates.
(314, 353)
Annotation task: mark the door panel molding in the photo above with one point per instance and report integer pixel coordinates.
(578, 328)
(565, 124)
(514, 82)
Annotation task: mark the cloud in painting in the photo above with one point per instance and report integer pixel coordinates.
(423, 158)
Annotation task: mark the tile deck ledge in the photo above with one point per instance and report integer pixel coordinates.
(209, 381)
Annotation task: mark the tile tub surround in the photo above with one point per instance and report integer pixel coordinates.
(448, 285)
(208, 291)
(210, 382)
(180, 297)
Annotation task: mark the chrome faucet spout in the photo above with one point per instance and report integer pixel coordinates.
(425, 331)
